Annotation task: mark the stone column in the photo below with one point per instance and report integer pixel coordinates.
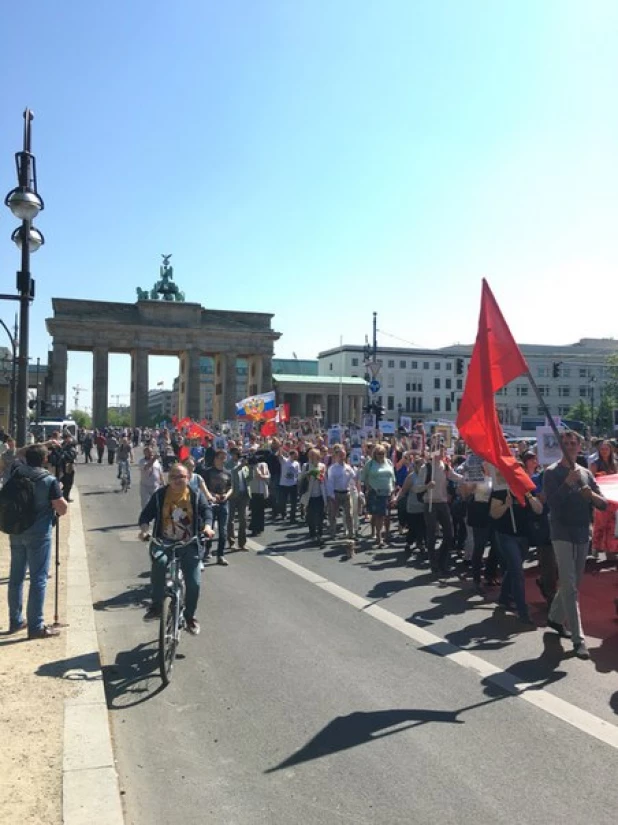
(58, 394)
(256, 381)
(100, 377)
(324, 405)
(267, 373)
(229, 386)
(139, 387)
(191, 379)
(303, 404)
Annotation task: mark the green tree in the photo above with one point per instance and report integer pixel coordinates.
(81, 418)
(118, 419)
(611, 378)
(580, 412)
(604, 414)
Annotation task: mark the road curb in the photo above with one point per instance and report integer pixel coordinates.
(90, 790)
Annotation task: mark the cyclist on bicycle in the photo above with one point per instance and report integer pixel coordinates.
(124, 457)
(179, 514)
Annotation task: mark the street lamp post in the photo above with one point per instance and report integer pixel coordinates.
(13, 375)
(25, 203)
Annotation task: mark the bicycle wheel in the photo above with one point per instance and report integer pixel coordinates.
(167, 639)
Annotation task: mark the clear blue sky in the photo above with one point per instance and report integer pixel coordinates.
(321, 159)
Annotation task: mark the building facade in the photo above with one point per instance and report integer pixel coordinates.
(159, 405)
(430, 382)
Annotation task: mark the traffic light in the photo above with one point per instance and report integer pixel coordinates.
(43, 407)
(555, 369)
(459, 366)
(378, 409)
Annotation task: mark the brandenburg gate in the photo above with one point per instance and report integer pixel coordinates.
(160, 322)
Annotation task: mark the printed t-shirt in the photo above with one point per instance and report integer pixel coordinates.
(177, 515)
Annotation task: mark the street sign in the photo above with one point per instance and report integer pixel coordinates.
(374, 386)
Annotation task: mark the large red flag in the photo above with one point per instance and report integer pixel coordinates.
(496, 360)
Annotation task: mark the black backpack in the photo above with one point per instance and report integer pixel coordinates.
(17, 503)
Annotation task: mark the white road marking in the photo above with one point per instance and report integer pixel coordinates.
(586, 722)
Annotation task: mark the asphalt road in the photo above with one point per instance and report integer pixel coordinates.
(294, 705)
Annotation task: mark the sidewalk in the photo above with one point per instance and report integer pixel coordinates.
(56, 763)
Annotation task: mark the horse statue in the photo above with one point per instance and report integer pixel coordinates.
(164, 289)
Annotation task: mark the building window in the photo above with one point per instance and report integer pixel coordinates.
(407, 405)
(425, 365)
(583, 392)
(563, 410)
(522, 391)
(447, 403)
(402, 365)
(355, 362)
(447, 383)
(544, 389)
(437, 365)
(583, 372)
(391, 365)
(540, 410)
(414, 365)
(564, 392)
(408, 385)
(542, 372)
(436, 383)
(458, 404)
(330, 366)
(525, 409)
(390, 381)
(380, 362)
(449, 366)
(436, 404)
(390, 402)
(460, 383)
(565, 372)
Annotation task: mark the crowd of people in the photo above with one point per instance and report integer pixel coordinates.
(439, 505)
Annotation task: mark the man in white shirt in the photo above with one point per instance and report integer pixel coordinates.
(288, 485)
(151, 475)
(340, 479)
(432, 481)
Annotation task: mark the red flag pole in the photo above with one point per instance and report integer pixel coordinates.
(549, 417)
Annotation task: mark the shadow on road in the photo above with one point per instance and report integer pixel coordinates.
(111, 527)
(136, 595)
(133, 678)
(362, 727)
(532, 674)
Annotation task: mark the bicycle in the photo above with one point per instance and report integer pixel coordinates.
(172, 619)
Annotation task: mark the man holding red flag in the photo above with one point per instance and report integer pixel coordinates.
(496, 361)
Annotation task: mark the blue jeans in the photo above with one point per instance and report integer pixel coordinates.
(190, 566)
(513, 550)
(219, 519)
(123, 462)
(32, 553)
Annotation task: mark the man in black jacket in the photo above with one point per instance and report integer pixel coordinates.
(179, 514)
(68, 459)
